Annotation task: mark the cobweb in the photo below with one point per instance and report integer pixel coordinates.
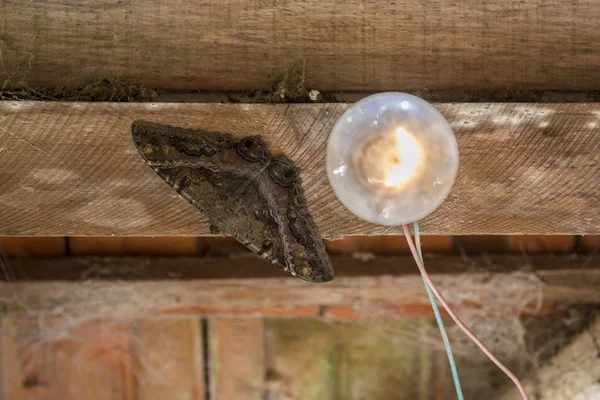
(493, 317)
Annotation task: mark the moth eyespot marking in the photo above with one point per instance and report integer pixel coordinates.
(185, 182)
(283, 172)
(209, 150)
(292, 214)
(267, 245)
(251, 149)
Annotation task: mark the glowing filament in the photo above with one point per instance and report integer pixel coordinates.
(404, 160)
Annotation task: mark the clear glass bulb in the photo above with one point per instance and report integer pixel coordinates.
(392, 158)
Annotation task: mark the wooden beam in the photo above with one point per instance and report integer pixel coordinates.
(573, 373)
(249, 266)
(356, 45)
(391, 292)
(72, 168)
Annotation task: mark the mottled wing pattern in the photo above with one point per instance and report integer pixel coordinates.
(304, 250)
(243, 190)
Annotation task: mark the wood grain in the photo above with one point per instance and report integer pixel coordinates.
(347, 45)
(69, 365)
(72, 168)
(368, 343)
(169, 359)
(396, 294)
(301, 359)
(313, 359)
(237, 358)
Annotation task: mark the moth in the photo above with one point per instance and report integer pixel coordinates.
(244, 190)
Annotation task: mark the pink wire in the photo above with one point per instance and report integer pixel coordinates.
(462, 326)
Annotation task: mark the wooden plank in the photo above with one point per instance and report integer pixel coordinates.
(91, 360)
(72, 168)
(573, 373)
(301, 359)
(247, 266)
(389, 292)
(347, 45)
(364, 345)
(237, 359)
(169, 359)
(62, 358)
(315, 359)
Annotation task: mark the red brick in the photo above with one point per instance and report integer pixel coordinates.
(542, 243)
(590, 243)
(33, 246)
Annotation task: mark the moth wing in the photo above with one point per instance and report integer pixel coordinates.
(193, 162)
(304, 252)
(243, 191)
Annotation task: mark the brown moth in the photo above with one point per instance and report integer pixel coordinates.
(244, 190)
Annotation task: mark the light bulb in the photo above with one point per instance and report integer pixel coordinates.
(392, 158)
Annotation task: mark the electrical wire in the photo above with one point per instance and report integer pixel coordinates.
(440, 321)
(456, 319)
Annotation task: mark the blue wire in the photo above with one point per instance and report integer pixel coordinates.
(439, 320)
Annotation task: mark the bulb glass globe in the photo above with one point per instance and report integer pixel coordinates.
(392, 158)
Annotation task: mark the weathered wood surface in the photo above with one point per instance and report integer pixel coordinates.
(349, 361)
(347, 45)
(249, 358)
(574, 373)
(57, 359)
(72, 168)
(392, 293)
(355, 360)
(237, 358)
